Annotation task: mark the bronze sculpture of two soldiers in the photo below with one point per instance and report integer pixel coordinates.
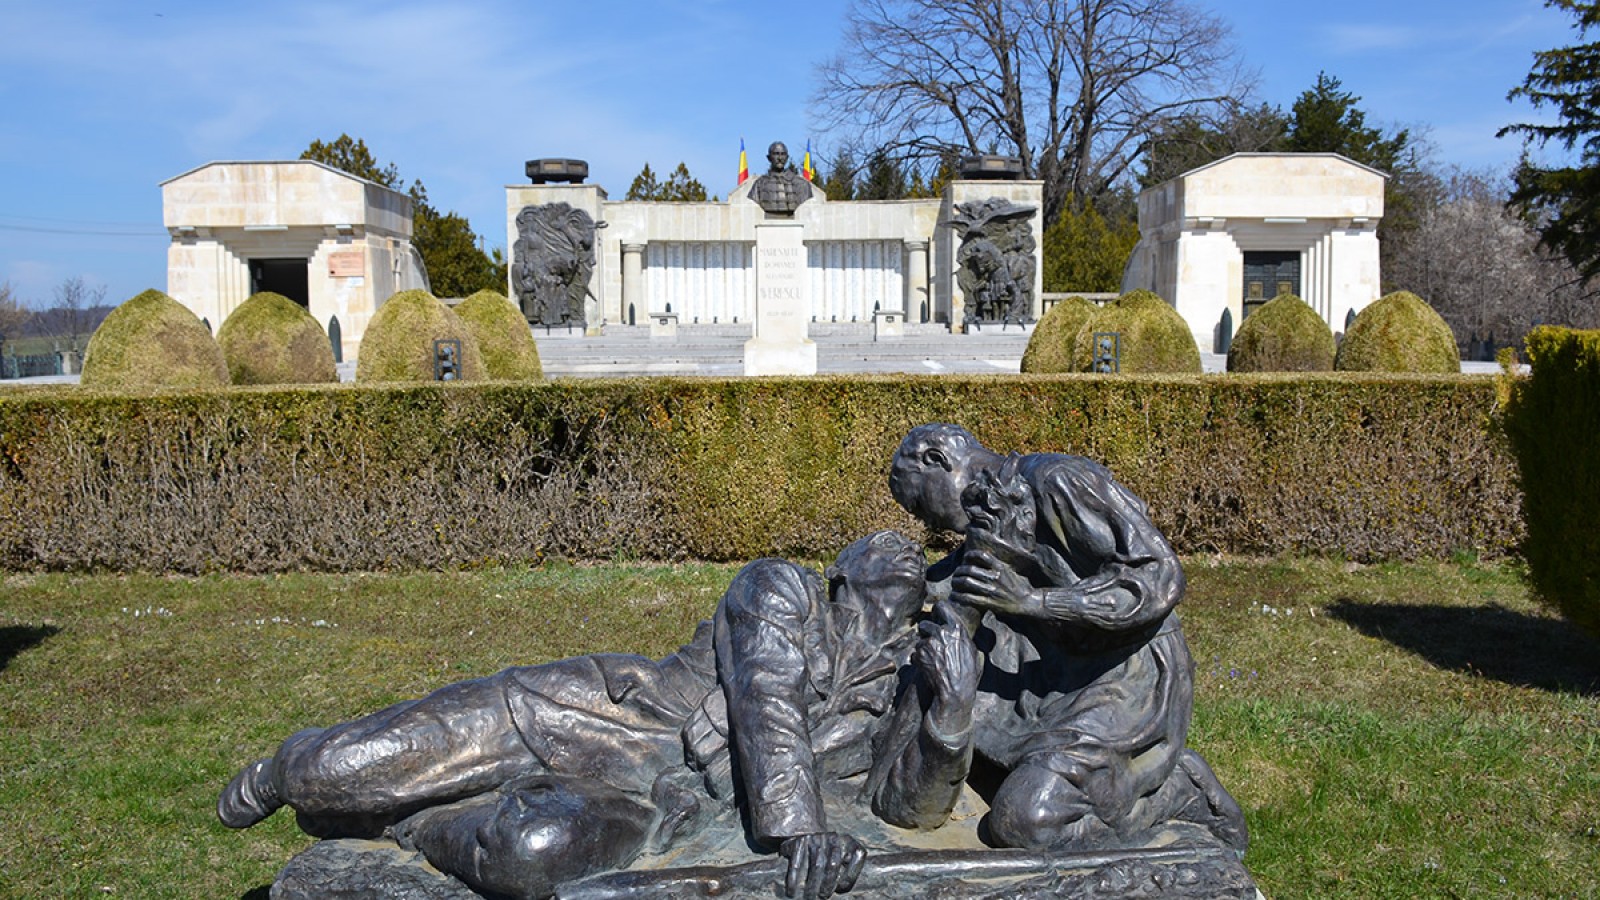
(1041, 658)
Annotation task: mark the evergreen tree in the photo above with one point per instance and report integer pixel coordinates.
(885, 178)
(1185, 144)
(1084, 252)
(645, 186)
(452, 253)
(841, 181)
(348, 154)
(918, 188)
(680, 186)
(944, 174)
(1326, 119)
(1564, 201)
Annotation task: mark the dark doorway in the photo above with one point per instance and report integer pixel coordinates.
(289, 277)
(1268, 273)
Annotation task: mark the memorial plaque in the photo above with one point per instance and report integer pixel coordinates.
(347, 264)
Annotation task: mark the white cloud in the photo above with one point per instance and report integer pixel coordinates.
(1359, 39)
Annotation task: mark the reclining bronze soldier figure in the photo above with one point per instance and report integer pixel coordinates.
(539, 775)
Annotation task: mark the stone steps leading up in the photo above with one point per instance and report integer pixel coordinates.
(718, 350)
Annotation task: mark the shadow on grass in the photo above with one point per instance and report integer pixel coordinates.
(260, 893)
(14, 639)
(1490, 641)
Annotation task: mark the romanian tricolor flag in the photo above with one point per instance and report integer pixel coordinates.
(805, 164)
(744, 164)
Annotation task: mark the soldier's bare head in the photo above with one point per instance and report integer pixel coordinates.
(885, 570)
(932, 466)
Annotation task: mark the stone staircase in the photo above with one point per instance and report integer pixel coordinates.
(718, 350)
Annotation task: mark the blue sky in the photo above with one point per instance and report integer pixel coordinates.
(102, 101)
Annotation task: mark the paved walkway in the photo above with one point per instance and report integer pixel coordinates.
(718, 350)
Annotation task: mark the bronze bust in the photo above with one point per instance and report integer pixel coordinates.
(781, 191)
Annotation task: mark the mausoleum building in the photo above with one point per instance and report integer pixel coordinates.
(340, 246)
(1229, 236)
(334, 243)
(696, 262)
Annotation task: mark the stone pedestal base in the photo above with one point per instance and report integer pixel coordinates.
(888, 323)
(781, 345)
(664, 325)
(365, 870)
(377, 870)
(771, 358)
(956, 875)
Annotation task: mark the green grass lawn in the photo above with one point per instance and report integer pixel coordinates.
(1391, 731)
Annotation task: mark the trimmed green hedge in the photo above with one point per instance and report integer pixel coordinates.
(270, 339)
(1399, 332)
(1155, 338)
(354, 478)
(503, 336)
(1050, 346)
(1284, 335)
(1554, 424)
(398, 345)
(151, 340)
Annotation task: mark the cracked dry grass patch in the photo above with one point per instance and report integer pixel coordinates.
(1392, 731)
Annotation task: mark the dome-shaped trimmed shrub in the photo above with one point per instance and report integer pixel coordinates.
(1284, 335)
(152, 340)
(1050, 346)
(271, 339)
(398, 342)
(1155, 338)
(1399, 333)
(504, 338)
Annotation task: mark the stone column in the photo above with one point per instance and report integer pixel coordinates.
(633, 284)
(917, 281)
(781, 345)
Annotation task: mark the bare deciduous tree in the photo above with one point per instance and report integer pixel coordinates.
(1482, 268)
(1189, 142)
(13, 314)
(1073, 87)
(75, 303)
